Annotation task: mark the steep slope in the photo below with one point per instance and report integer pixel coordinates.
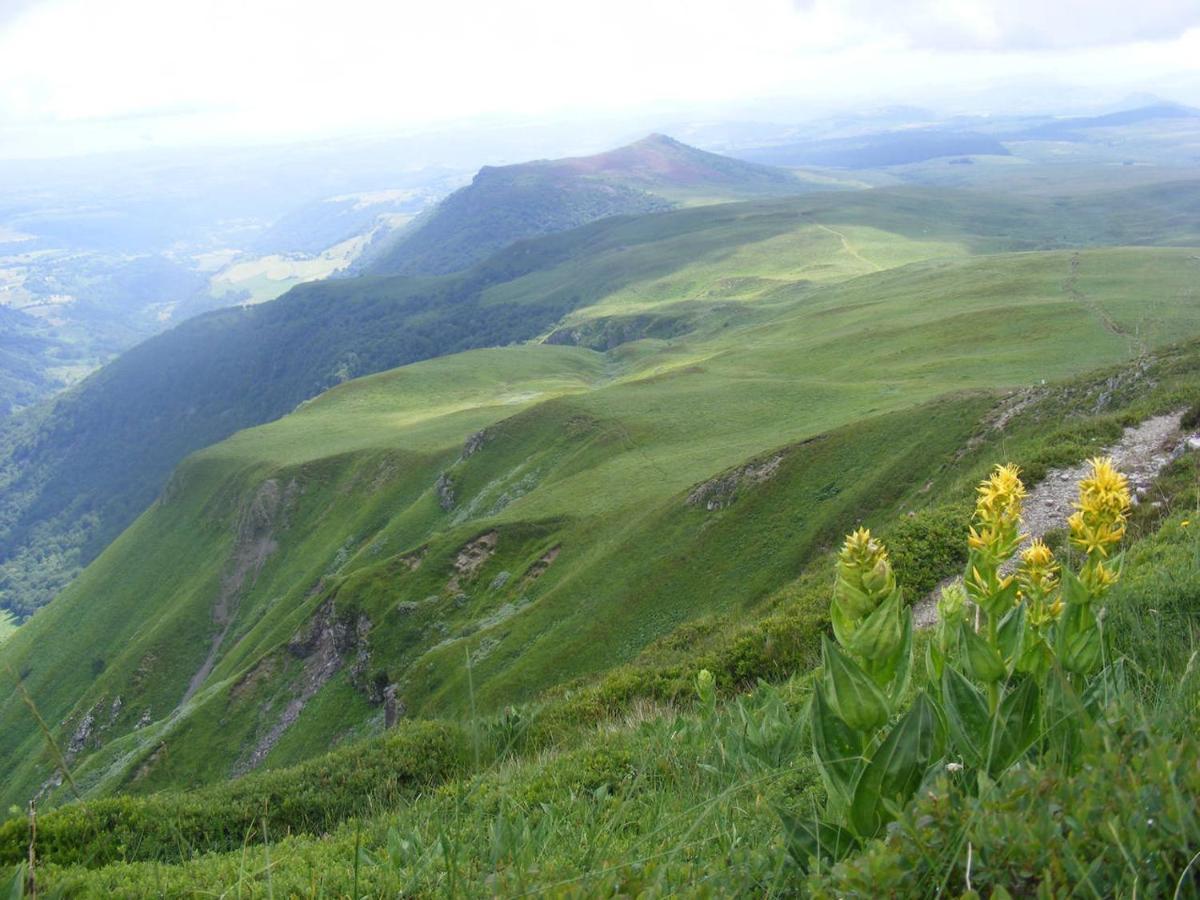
(538, 510)
(73, 476)
(507, 203)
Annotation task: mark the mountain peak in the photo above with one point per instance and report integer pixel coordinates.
(507, 203)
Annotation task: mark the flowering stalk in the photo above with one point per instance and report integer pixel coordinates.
(1097, 526)
(1037, 620)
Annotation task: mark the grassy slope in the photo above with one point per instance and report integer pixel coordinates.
(591, 453)
(73, 476)
(662, 799)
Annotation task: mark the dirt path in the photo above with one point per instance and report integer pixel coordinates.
(848, 247)
(1071, 288)
(1140, 455)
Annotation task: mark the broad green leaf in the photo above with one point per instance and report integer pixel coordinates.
(982, 661)
(999, 603)
(843, 625)
(1074, 592)
(813, 839)
(1010, 636)
(902, 669)
(1111, 681)
(851, 692)
(897, 768)
(877, 639)
(1018, 723)
(837, 746)
(1079, 641)
(1064, 714)
(16, 889)
(1036, 656)
(855, 602)
(967, 717)
(934, 663)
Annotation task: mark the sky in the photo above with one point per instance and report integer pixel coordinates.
(79, 76)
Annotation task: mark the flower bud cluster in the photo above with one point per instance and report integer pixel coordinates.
(1038, 577)
(864, 575)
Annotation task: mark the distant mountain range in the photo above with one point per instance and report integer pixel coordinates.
(506, 203)
(890, 148)
(974, 136)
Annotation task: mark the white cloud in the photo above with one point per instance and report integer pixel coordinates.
(1018, 24)
(172, 70)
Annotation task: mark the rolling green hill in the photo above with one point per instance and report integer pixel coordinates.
(475, 529)
(623, 782)
(74, 475)
(507, 203)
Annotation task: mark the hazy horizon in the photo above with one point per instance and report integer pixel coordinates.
(77, 79)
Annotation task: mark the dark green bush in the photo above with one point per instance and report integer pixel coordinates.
(310, 798)
(927, 547)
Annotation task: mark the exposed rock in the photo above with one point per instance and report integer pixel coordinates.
(413, 560)
(261, 672)
(324, 646)
(475, 443)
(149, 763)
(84, 734)
(255, 542)
(486, 646)
(500, 580)
(543, 563)
(722, 491)
(470, 559)
(115, 709)
(362, 661)
(445, 492)
(393, 707)
(143, 720)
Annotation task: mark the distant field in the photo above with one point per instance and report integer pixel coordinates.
(267, 277)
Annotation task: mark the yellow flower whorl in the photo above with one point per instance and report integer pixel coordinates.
(1098, 523)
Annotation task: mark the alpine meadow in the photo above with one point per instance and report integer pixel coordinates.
(787, 497)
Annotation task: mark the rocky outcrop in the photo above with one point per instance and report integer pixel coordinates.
(444, 487)
(325, 645)
(475, 443)
(267, 512)
(471, 558)
(538, 569)
(723, 490)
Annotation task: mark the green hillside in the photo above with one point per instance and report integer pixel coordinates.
(539, 510)
(622, 782)
(74, 475)
(508, 203)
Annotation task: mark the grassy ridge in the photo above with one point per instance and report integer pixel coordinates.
(73, 476)
(327, 536)
(663, 796)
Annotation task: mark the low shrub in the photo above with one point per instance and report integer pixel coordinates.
(309, 798)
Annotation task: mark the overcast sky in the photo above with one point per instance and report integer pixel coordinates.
(83, 75)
